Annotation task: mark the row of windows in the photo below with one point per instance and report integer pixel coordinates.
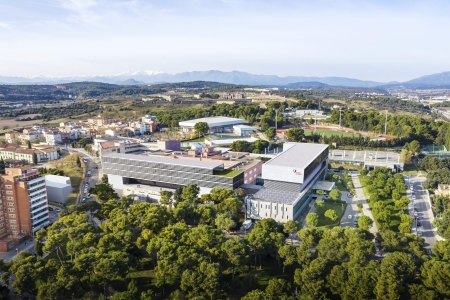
(268, 206)
(282, 217)
(10, 203)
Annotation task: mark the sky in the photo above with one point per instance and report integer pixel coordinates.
(370, 40)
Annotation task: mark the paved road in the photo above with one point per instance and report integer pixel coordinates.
(425, 214)
(93, 164)
(351, 210)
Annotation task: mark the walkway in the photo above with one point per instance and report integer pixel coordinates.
(359, 197)
(261, 135)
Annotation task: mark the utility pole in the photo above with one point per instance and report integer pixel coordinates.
(385, 124)
(315, 122)
(276, 120)
(340, 114)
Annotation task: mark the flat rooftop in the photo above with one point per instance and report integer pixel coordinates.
(213, 121)
(298, 155)
(169, 160)
(276, 196)
(367, 156)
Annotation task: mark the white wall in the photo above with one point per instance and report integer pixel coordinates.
(116, 181)
(286, 174)
(280, 212)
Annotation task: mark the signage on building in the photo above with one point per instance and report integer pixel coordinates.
(297, 172)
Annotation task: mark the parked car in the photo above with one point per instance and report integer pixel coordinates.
(57, 209)
(50, 208)
(418, 224)
(419, 232)
(88, 196)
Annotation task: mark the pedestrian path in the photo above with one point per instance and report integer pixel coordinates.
(362, 199)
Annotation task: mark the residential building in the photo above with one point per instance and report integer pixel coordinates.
(12, 137)
(53, 137)
(289, 179)
(150, 123)
(99, 121)
(43, 152)
(58, 188)
(112, 132)
(216, 124)
(24, 205)
(30, 135)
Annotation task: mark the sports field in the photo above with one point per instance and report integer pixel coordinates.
(328, 132)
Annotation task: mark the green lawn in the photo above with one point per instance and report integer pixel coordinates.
(329, 132)
(228, 173)
(324, 221)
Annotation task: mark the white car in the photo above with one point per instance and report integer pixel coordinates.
(349, 216)
(419, 232)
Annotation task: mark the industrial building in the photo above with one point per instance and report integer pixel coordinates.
(289, 180)
(216, 124)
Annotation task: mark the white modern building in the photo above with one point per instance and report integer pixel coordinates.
(288, 182)
(243, 130)
(58, 188)
(216, 124)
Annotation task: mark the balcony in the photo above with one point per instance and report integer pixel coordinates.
(36, 186)
(37, 192)
(39, 218)
(34, 205)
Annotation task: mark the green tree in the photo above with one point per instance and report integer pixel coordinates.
(104, 192)
(166, 198)
(202, 282)
(270, 133)
(365, 222)
(35, 158)
(289, 254)
(414, 147)
(435, 275)
(331, 214)
(295, 134)
(29, 144)
(335, 194)
(201, 128)
(235, 256)
(190, 193)
(78, 162)
(312, 219)
(291, 227)
(224, 222)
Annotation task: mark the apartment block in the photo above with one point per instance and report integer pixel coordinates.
(23, 204)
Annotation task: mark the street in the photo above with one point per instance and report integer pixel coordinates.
(423, 207)
(93, 164)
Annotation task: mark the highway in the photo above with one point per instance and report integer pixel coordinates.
(425, 215)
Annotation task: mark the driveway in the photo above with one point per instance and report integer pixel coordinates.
(359, 197)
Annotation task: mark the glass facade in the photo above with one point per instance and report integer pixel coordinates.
(170, 174)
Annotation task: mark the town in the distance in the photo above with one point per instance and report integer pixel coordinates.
(202, 190)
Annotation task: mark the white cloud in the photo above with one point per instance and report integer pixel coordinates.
(5, 25)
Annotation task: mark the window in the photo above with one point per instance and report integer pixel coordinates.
(286, 208)
(9, 192)
(12, 216)
(8, 186)
(9, 198)
(11, 209)
(13, 226)
(12, 221)
(10, 203)
(15, 232)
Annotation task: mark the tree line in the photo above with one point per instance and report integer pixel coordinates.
(178, 249)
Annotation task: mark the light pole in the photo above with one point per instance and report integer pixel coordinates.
(340, 114)
(385, 124)
(276, 120)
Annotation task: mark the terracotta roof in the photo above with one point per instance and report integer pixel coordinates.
(26, 151)
(106, 145)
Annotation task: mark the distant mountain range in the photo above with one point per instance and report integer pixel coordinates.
(233, 77)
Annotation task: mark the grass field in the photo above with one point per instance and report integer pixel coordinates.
(329, 132)
(324, 221)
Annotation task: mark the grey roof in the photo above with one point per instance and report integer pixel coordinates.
(324, 185)
(169, 160)
(276, 195)
(299, 155)
(213, 121)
